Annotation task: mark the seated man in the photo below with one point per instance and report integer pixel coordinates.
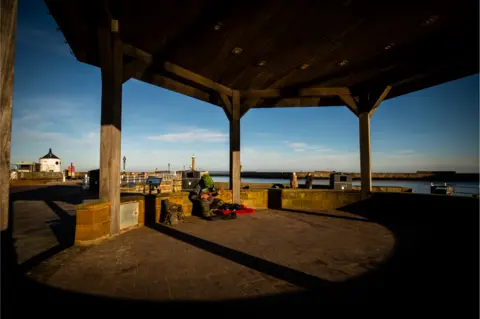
(209, 203)
(206, 194)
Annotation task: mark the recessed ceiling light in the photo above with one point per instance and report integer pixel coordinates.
(218, 26)
(343, 62)
(237, 51)
(262, 63)
(431, 20)
(303, 66)
(389, 46)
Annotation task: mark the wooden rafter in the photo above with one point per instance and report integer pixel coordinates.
(247, 105)
(350, 103)
(227, 105)
(286, 93)
(178, 70)
(379, 100)
(134, 69)
(173, 85)
(298, 101)
(328, 91)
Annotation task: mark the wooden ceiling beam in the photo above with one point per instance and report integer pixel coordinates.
(350, 103)
(177, 70)
(298, 101)
(197, 78)
(287, 93)
(227, 105)
(173, 85)
(247, 105)
(134, 69)
(379, 100)
(136, 53)
(327, 91)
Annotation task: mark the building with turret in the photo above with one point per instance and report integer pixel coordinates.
(50, 163)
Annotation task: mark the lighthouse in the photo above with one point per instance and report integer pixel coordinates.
(193, 163)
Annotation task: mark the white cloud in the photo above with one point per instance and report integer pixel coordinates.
(72, 130)
(302, 147)
(195, 135)
(405, 152)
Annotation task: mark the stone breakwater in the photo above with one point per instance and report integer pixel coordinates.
(422, 176)
(418, 176)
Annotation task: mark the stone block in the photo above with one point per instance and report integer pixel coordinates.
(101, 215)
(85, 217)
(290, 194)
(287, 204)
(317, 195)
(86, 233)
(307, 195)
(187, 209)
(316, 205)
(248, 202)
(261, 202)
(297, 204)
(89, 214)
(307, 204)
(252, 194)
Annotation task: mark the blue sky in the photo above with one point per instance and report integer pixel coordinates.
(57, 105)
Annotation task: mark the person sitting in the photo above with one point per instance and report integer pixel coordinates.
(206, 194)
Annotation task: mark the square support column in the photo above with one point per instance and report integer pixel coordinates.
(365, 161)
(8, 26)
(235, 184)
(111, 121)
(368, 103)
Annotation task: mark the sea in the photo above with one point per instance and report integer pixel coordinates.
(422, 187)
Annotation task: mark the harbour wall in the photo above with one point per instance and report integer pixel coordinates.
(418, 176)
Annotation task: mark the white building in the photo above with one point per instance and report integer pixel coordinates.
(50, 163)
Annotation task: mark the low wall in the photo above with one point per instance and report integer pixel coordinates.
(93, 219)
(400, 189)
(253, 198)
(41, 176)
(29, 181)
(298, 199)
(166, 186)
(434, 176)
(92, 222)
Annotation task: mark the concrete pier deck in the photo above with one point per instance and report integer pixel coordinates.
(272, 257)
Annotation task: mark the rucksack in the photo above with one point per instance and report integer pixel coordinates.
(171, 214)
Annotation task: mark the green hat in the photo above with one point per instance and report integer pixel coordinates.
(205, 190)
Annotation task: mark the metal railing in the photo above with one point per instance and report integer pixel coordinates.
(134, 180)
(455, 189)
(466, 190)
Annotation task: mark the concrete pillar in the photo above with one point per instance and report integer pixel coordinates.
(365, 161)
(111, 120)
(193, 163)
(8, 27)
(235, 148)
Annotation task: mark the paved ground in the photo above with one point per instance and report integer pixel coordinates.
(265, 253)
(268, 257)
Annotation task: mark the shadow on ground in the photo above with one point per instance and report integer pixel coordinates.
(433, 268)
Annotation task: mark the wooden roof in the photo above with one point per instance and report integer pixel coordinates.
(344, 45)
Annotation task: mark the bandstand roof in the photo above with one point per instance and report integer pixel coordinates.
(282, 53)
